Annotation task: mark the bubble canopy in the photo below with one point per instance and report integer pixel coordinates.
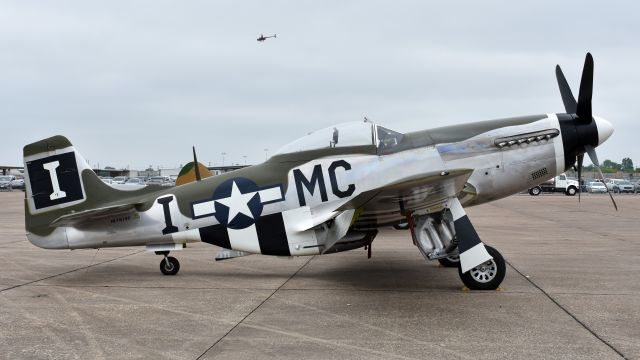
(356, 133)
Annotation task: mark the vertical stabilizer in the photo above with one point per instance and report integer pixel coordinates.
(58, 181)
(53, 175)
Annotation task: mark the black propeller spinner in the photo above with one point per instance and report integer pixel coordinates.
(579, 129)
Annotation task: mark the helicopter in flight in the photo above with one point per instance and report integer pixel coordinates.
(263, 38)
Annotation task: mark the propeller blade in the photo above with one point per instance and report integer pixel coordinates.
(580, 159)
(592, 155)
(608, 191)
(586, 90)
(570, 104)
(594, 159)
(196, 166)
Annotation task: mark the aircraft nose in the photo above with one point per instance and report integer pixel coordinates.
(605, 129)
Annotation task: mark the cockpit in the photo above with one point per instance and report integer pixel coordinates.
(346, 135)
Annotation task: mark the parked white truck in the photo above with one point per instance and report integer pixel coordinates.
(559, 183)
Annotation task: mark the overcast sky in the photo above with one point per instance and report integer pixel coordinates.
(137, 83)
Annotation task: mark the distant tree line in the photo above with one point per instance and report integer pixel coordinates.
(609, 166)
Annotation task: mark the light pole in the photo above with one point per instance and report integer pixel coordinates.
(223, 154)
(245, 159)
(265, 154)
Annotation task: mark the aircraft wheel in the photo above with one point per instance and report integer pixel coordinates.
(169, 265)
(401, 226)
(450, 261)
(486, 276)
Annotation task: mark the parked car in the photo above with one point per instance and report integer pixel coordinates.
(106, 179)
(135, 181)
(159, 180)
(625, 186)
(5, 182)
(9, 182)
(119, 180)
(619, 185)
(596, 187)
(18, 183)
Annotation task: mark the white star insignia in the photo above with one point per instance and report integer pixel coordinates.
(238, 203)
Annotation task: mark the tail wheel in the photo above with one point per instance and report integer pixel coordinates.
(169, 265)
(486, 276)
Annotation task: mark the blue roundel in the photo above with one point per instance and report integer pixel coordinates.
(244, 207)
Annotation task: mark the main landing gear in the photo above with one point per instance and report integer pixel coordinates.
(169, 265)
(449, 237)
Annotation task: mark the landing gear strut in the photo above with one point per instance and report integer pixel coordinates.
(449, 237)
(169, 265)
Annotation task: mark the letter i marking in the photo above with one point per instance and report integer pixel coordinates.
(57, 193)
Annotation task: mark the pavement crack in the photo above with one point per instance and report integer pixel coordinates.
(568, 312)
(69, 272)
(256, 308)
(151, 287)
(399, 291)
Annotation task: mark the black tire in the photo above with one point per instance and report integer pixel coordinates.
(490, 278)
(170, 268)
(401, 226)
(450, 261)
(571, 191)
(535, 191)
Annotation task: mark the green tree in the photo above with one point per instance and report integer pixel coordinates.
(610, 166)
(627, 164)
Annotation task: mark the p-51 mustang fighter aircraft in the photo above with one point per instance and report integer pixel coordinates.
(326, 192)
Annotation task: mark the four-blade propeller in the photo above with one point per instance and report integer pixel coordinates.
(582, 109)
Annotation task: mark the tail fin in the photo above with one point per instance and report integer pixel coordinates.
(53, 175)
(59, 181)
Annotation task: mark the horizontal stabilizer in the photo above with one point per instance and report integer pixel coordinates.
(92, 214)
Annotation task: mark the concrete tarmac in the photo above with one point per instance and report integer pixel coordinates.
(572, 291)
